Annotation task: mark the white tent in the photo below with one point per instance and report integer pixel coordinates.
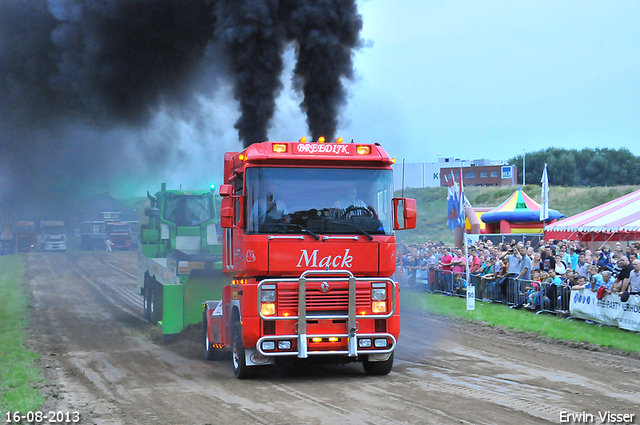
(616, 220)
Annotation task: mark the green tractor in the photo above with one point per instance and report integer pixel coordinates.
(180, 258)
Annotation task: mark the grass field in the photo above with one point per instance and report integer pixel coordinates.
(18, 374)
(523, 321)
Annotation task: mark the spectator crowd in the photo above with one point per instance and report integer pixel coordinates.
(538, 277)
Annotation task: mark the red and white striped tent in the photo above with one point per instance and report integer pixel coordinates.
(617, 220)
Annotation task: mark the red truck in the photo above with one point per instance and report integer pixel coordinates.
(309, 245)
(119, 234)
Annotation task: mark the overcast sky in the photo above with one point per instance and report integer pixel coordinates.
(471, 79)
(462, 79)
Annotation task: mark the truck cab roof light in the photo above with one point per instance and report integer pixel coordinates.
(363, 149)
(339, 140)
(303, 140)
(279, 148)
(321, 139)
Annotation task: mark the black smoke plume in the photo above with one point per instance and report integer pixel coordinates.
(254, 42)
(326, 33)
(102, 61)
(83, 82)
(79, 77)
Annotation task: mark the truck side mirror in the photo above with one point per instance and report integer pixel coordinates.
(404, 213)
(227, 212)
(231, 212)
(226, 190)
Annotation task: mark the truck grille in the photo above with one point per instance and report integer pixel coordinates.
(269, 327)
(334, 300)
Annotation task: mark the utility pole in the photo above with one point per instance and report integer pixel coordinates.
(524, 167)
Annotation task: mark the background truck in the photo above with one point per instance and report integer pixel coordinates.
(119, 234)
(26, 236)
(52, 236)
(179, 258)
(309, 244)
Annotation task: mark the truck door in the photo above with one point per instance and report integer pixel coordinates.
(232, 235)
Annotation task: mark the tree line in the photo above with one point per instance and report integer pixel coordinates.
(586, 167)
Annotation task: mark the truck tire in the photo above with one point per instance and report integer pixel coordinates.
(240, 368)
(156, 302)
(378, 368)
(147, 300)
(208, 351)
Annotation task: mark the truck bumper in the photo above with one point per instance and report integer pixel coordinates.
(352, 332)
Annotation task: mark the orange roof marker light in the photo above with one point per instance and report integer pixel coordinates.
(242, 157)
(321, 139)
(363, 149)
(303, 140)
(279, 147)
(339, 140)
(393, 160)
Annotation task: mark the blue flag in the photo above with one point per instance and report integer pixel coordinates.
(453, 206)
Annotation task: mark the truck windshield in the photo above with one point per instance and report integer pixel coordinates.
(319, 200)
(187, 210)
(118, 228)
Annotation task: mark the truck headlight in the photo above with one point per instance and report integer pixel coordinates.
(284, 345)
(379, 294)
(380, 342)
(379, 307)
(268, 296)
(268, 345)
(364, 343)
(268, 309)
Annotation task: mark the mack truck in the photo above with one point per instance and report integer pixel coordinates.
(52, 236)
(308, 238)
(179, 258)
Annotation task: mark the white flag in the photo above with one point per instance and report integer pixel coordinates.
(544, 207)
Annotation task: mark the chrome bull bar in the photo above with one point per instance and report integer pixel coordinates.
(276, 338)
(302, 317)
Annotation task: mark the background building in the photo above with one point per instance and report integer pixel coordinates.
(478, 172)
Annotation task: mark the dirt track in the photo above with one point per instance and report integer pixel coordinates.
(103, 360)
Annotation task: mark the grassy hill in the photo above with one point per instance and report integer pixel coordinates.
(432, 204)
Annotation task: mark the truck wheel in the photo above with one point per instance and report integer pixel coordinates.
(240, 368)
(209, 352)
(378, 368)
(156, 303)
(147, 301)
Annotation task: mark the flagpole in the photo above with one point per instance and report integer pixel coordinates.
(466, 244)
(544, 208)
(471, 291)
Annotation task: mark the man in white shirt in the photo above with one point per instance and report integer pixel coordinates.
(634, 278)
